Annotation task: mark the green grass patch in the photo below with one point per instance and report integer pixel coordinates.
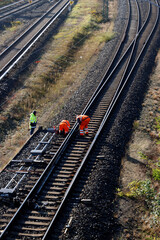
(106, 37)
(144, 191)
(14, 26)
(135, 124)
(157, 127)
(157, 119)
(156, 174)
(97, 16)
(143, 156)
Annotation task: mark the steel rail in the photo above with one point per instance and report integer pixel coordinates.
(33, 40)
(7, 188)
(12, 4)
(112, 70)
(6, 51)
(18, 9)
(104, 81)
(117, 52)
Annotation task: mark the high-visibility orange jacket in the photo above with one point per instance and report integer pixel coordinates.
(83, 120)
(64, 126)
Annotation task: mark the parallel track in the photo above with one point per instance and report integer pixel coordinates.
(11, 56)
(15, 8)
(42, 205)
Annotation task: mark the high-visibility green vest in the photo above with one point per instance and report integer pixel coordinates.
(33, 119)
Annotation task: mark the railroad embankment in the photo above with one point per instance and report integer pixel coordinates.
(138, 205)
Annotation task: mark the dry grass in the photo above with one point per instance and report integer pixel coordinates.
(9, 31)
(14, 26)
(53, 79)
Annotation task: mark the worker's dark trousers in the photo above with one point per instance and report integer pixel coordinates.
(32, 131)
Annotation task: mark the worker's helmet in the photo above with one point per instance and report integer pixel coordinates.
(34, 112)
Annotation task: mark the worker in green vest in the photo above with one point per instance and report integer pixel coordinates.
(32, 122)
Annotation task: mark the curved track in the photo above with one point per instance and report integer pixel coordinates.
(34, 215)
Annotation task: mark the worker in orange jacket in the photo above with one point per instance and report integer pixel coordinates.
(64, 127)
(83, 121)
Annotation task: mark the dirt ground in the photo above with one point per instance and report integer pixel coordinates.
(135, 221)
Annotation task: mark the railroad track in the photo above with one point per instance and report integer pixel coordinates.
(12, 55)
(16, 7)
(37, 211)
